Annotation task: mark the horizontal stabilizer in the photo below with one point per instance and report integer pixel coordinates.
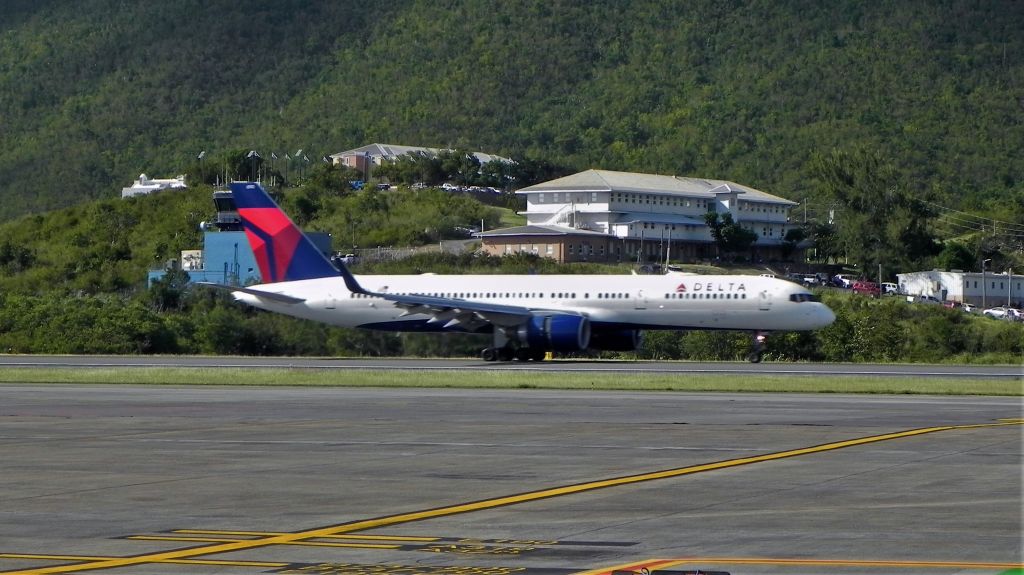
(267, 295)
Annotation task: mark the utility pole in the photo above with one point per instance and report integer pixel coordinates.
(1009, 282)
(983, 303)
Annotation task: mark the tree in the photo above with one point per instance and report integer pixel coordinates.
(792, 238)
(730, 237)
(956, 256)
(880, 219)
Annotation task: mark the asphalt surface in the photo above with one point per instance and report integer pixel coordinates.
(463, 364)
(130, 479)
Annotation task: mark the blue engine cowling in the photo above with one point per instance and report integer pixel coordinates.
(618, 340)
(556, 332)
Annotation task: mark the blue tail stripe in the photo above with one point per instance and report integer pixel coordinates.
(259, 212)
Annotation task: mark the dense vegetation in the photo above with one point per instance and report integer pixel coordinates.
(94, 92)
(897, 124)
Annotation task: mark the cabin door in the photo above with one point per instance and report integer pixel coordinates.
(640, 301)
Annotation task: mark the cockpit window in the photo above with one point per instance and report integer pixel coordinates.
(801, 297)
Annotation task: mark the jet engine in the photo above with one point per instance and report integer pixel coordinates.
(559, 332)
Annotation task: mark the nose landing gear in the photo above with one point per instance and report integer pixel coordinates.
(757, 349)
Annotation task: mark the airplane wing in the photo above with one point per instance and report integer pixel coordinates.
(469, 315)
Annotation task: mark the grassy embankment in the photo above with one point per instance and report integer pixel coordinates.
(501, 379)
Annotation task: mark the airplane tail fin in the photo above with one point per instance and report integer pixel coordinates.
(282, 251)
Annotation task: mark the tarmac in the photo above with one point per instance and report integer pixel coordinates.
(134, 479)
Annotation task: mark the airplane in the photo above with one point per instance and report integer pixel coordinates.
(527, 315)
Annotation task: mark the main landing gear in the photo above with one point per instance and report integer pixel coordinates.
(507, 353)
(505, 348)
(757, 350)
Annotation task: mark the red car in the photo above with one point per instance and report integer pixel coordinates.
(866, 288)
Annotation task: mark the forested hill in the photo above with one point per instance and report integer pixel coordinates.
(95, 92)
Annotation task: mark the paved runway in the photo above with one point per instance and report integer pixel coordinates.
(463, 364)
(161, 480)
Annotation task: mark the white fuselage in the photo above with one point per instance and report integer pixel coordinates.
(672, 301)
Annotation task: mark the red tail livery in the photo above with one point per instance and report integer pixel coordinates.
(282, 251)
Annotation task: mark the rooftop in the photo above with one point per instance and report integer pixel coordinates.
(608, 181)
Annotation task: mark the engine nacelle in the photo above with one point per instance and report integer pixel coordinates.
(618, 340)
(559, 332)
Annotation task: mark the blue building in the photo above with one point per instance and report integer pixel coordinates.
(226, 257)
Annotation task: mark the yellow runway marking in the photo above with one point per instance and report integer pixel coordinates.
(831, 563)
(225, 540)
(286, 538)
(214, 562)
(274, 533)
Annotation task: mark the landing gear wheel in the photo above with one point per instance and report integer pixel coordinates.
(489, 354)
(758, 349)
(523, 354)
(538, 354)
(506, 354)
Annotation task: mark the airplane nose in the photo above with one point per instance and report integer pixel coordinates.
(826, 315)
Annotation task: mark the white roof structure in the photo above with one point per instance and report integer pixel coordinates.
(381, 152)
(608, 181)
(145, 185)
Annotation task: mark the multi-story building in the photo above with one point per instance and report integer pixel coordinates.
(601, 215)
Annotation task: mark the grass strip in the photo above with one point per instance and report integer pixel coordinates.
(502, 379)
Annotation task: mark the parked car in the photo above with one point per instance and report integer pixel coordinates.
(1007, 313)
(999, 312)
(843, 280)
(926, 299)
(969, 308)
(889, 288)
(866, 288)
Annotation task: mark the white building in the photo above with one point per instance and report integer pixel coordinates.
(988, 289)
(145, 185)
(654, 214)
(365, 157)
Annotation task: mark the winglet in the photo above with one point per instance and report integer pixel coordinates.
(283, 252)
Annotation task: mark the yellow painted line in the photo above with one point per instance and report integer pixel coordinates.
(224, 540)
(635, 566)
(175, 561)
(274, 533)
(831, 563)
(286, 538)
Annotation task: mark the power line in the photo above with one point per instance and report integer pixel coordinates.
(991, 223)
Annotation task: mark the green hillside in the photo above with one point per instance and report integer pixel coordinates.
(95, 92)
